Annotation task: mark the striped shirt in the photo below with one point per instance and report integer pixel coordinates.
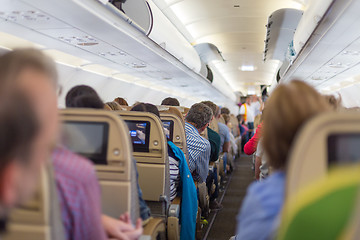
(79, 196)
(174, 177)
(199, 153)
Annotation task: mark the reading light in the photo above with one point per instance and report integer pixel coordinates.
(247, 68)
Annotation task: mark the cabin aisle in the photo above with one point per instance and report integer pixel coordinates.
(224, 225)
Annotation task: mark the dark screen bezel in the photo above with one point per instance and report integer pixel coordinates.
(96, 158)
(331, 147)
(141, 147)
(171, 137)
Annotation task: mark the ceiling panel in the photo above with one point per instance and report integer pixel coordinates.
(238, 32)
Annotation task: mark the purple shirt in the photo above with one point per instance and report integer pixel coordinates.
(79, 196)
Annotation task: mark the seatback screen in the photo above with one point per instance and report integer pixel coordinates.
(139, 133)
(89, 139)
(343, 148)
(169, 129)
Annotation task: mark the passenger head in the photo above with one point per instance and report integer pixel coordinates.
(28, 122)
(287, 109)
(213, 106)
(225, 110)
(146, 107)
(199, 116)
(226, 118)
(170, 102)
(121, 101)
(87, 101)
(78, 91)
(112, 106)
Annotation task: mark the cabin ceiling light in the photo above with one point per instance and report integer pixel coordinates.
(247, 68)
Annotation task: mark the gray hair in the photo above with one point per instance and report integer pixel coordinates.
(199, 114)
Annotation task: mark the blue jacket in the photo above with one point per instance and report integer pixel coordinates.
(189, 201)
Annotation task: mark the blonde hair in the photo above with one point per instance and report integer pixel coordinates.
(287, 109)
(112, 106)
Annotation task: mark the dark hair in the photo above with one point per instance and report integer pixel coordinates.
(80, 96)
(169, 101)
(87, 101)
(199, 114)
(212, 105)
(146, 107)
(225, 110)
(121, 101)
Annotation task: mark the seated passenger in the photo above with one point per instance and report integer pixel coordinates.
(79, 195)
(26, 138)
(173, 161)
(199, 148)
(112, 106)
(215, 141)
(170, 102)
(121, 101)
(72, 100)
(36, 76)
(264, 200)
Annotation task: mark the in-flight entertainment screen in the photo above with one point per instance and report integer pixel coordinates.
(87, 139)
(139, 133)
(343, 148)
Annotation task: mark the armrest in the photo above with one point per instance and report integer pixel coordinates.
(174, 210)
(154, 225)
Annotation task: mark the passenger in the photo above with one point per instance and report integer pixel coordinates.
(199, 148)
(225, 140)
(170, 102)
(26, 138)
(225, 110)
(36, 76)
(264, 200)
(251, 145)
(87, 101)
(121, 101)
(173, 161)
(79, 194)
(112, 106)
(228, 158)
(215, 142)
(78, 92)
(71, 97)
(261, 163)
(247, 115)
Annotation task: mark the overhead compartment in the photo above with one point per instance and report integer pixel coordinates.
(106, 43)
(330, 57)
(151, 20)
(309, 22)
(281, 28)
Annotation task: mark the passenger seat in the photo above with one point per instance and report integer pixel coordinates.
(40, 218)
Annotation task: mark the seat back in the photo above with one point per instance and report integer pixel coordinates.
(175, 126)
(328, 209)
(234, 125)
(326, 140)
(40, 218)
(103, 137)
(151, 153)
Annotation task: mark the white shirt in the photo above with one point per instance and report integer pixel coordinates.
(249, 114)
(264, 169)
(256, 108)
